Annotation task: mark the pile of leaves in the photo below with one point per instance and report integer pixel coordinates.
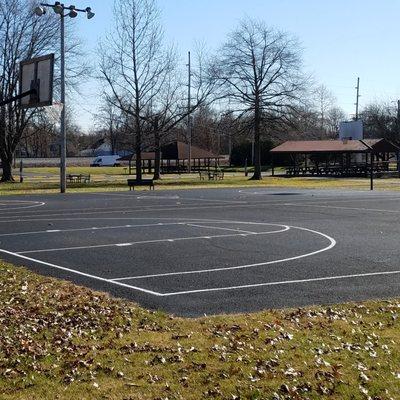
(61, 341)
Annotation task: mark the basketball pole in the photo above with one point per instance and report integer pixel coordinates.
(63, 146)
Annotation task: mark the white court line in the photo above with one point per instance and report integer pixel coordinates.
(72, 210)
(203, 271)
(124, 211)
(325, 278)
(218, 227)
(93, 228)
(343, 208)
(97, 246)
(39, 217)
(16, 202)
(80, 273)
(172, 197)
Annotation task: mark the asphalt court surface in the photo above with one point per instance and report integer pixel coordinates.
(208, 251)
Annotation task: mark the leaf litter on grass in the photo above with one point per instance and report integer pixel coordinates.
(61, 341)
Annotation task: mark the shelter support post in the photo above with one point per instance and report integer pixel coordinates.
(272, 165)
(372, 172)
(398, 163)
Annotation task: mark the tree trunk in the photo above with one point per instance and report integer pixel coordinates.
(138, 163)
(7, 170)
(157, 155)
(138, 151)
(257, 150)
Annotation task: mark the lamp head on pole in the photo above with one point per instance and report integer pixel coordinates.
(89, 13)
(58, 8)
(72, 13)
(39, 11)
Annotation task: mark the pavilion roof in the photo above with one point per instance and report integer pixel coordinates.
(336, 146)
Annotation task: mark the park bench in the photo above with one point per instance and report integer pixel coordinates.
(78, 178)
(144, 182)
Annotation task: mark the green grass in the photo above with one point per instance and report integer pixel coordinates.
(61, 341)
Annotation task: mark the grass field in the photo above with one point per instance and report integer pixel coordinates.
(45, 180)
(60, 341)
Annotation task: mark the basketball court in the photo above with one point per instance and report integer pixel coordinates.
(191, 252)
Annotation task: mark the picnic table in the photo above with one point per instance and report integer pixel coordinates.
(78, 178)
(211, 175)
(215, 175)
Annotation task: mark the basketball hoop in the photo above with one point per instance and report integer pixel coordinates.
(53, 113)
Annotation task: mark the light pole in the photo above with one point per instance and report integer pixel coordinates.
(63, 12)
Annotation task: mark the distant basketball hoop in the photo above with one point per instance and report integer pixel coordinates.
(36, 82)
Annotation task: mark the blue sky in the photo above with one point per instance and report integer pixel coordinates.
(341, 40)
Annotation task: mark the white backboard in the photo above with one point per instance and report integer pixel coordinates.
(37, 73)
(351, 130)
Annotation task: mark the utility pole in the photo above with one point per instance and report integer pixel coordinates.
(357, 98)
(398, 112)
(189, 125)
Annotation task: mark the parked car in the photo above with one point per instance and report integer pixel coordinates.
(106, 161)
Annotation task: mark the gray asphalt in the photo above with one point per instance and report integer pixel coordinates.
(195, 252)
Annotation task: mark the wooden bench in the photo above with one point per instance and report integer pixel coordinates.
(144, 182)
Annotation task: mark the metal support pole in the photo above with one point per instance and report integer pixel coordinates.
(189, 125)
(72, 11)
(63, 155)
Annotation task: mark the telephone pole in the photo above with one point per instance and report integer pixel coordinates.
(398, 111)
(358, 96)
(189, 125)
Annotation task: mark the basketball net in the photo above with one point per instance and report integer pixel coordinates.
(53, 113)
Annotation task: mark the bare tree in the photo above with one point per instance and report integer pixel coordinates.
(21, 37)
(169, 109)
(334, 116)
(135, 65)
(324, 101)
(260, 71)
(111, 120)
(381, 120)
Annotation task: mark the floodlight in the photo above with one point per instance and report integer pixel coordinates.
(89, 13)
(39, 11)
(73, 13)
(58, 8)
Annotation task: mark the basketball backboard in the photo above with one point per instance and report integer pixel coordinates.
(37, 73)
(351, 130)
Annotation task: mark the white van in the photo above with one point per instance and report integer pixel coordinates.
(106, 161)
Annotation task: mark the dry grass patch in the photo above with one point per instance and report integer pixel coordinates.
(106, 182)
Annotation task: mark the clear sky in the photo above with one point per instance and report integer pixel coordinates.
(341, 39)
